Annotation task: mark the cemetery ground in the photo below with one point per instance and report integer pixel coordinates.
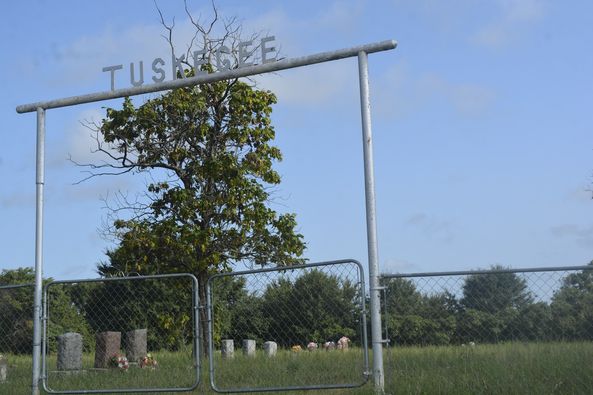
(509, 368)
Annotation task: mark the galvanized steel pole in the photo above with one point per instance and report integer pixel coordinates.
(371, 217)
(39, 182)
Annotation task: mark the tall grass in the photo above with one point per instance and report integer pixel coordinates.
(511, 368)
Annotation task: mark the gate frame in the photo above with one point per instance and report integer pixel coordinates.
(195, 326)
(365, 372)
(360, 51)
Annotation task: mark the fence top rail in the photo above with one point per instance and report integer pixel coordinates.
(290, 267)
(11, 286)
(213, 77)
(117, 278)
(486, 272)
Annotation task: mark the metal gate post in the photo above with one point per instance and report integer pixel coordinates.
(371, 219)
(39, 181)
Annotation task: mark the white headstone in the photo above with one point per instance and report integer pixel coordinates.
(3, 369)
(227, 348)
(270, 349)
(249, 347)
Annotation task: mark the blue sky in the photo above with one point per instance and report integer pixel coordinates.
(482, 120)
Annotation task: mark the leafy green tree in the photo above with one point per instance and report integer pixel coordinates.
(237, 313)
(416, 319)
(492, 293)
(572, 307)
(441, 310)
(16, 310)
(402, 298)
(402, 305)
(533, 322)
(162, 306)
(211, 147)
(315, 307)
(492, 304)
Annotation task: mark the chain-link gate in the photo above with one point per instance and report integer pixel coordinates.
(505, 331)
(16, 332)
(121, 334)
(290, 328)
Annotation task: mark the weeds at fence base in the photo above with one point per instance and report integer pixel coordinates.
(510, 368)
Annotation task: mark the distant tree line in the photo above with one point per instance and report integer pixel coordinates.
(493, 308)
(314, 306)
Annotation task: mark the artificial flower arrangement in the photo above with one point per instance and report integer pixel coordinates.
(148, 362)
(119, 361)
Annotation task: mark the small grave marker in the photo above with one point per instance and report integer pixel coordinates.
(270, 349)
(107, 344)
(227, 348)
(69, 351)
(135, 344)
(3, 369)
(249, 347)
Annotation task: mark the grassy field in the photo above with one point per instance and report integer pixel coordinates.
(513, 368)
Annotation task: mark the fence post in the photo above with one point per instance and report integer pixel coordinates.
(40, 180)
(371, 219)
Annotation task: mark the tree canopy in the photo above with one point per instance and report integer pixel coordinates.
(16, 312)
(209, 152)
(572, 306)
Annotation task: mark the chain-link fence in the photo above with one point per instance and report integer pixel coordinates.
(16, 333)
(121, 334)
(518, 331)
(288, 328)
(16, 323)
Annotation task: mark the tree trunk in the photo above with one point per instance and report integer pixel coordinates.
(203, 314)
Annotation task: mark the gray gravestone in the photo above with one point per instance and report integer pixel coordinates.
(136, 344)
(107, 344)
(227, 348)
(70, 351)
(249, 347)
(3, 369)
(270, 349)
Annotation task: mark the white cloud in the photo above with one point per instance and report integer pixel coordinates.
(316, 84)
(431, 226)
(77, 142)
(582, 235)
(513, 17)
(400, 93)
(396, 265)
(312, 86)
(81, 140)
(18, 200)
(581, 194)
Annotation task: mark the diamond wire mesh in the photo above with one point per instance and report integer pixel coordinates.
(16, 332)
(16, 323)
(511, 331)
(304, 311)
(148, 320)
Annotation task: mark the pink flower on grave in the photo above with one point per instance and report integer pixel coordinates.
(119, 361)
(148, 362)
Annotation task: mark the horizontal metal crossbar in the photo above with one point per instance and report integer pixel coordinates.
(470, 272)
(213, 77)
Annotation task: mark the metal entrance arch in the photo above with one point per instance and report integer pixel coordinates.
(361, 52)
